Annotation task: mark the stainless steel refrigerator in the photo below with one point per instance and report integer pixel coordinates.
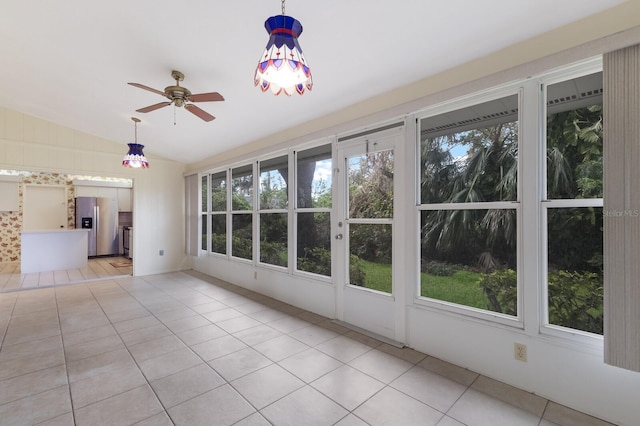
(100, 216)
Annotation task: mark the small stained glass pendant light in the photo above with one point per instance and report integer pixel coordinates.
(135, 157)
(282, 67)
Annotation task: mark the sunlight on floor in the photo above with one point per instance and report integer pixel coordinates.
(104, 267)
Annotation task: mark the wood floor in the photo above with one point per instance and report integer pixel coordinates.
(12, 279)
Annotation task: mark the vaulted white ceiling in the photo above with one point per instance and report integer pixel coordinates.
(69, 61)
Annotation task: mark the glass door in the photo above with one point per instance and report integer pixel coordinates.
(364, 233)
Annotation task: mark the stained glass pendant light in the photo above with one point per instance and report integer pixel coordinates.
(135, 157)
(282, 67)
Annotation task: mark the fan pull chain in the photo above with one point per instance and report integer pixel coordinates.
(283, 8)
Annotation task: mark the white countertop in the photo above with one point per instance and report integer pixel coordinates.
(47, 231)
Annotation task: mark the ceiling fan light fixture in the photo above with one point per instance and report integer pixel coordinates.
(135, 157)
(282, 67)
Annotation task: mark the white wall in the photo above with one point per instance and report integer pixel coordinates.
(309, 294)
(29, 143)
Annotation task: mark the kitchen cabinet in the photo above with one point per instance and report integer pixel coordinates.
(9, 198)
(124, 199)
(123, 195)
(86, 191)
(96, 191)
(107, 193)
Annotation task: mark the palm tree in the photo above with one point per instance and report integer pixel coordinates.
(488, 172)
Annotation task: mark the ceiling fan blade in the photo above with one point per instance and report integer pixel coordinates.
(142, 86)
(206, 97)
(154, 107)
(199, 112)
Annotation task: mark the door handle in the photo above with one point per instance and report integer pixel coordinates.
(338, 236)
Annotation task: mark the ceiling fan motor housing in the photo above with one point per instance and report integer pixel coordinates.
(177, 94)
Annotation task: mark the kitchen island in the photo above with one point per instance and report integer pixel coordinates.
(54, 250)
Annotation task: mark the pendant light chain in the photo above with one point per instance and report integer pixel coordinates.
(283, 8)
(135, 128)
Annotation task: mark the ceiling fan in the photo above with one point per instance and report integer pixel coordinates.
(180, 96)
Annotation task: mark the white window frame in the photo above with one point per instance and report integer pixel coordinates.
(575, 336)
(291, 210)
(454, 308)
(260, 211)
(252, 212)
(227, 173)
(293, 204)
(206, 213)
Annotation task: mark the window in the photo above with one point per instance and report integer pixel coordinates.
(370, 196)
(231, 211)
(242, 212)
(468, 206)
(204, 209)
(274, 217)
(573, 204)
(219, 212)
(313, 210)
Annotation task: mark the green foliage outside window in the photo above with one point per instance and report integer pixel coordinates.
(482, 242)
(575, 298)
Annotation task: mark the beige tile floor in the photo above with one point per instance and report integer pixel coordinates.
(186, 349)
(12, 279)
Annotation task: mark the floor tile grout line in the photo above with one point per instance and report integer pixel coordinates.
(204, 362)
(64, 356)
(36, 394)
(546, 406)
(446, 413)
(132, 358)
(147, 380)
(6, 329)
(227, 382)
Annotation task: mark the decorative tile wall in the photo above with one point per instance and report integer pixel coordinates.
(10, 227)
(11, 222)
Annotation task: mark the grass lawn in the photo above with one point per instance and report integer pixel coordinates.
(377, 275)
(462, 287)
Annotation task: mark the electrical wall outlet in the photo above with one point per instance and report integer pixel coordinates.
(520, 352)
(161, 252)
(255, 275)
